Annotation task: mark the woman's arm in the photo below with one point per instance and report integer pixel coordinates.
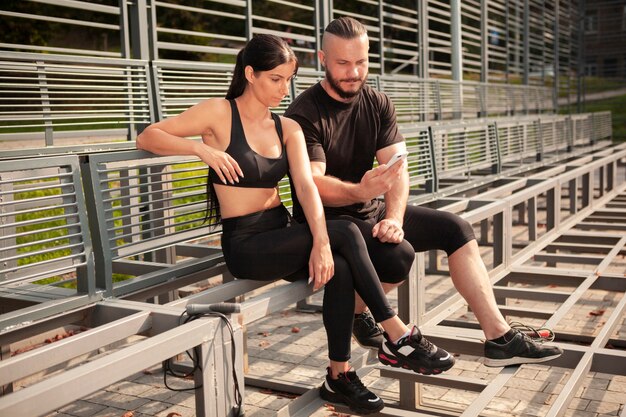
(167, 137)
(321, 265)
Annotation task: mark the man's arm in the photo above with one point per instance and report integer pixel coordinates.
(337, 193)
(397, 197)
(390, 228)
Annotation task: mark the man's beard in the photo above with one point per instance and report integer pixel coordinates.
(335, 85)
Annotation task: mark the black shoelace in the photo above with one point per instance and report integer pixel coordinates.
(356, 383)
(533, 334)
(369, 320)
(423, 343)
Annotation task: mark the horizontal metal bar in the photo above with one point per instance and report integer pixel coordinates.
(47, 356)
(530, 294)
(25, 316)
(443, 380)
(174, 272)
(570, 259)
(274, 300)
(525, 312)
(79, 382)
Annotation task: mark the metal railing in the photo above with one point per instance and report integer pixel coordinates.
(85, 104)
(49, 98)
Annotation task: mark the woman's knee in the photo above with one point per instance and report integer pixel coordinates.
(341, 283)
(345, 227)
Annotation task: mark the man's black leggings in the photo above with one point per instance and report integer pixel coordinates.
(424, 229)
(268, 245)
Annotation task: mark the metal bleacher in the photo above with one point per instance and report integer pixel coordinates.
(145, 225)
(107, 245)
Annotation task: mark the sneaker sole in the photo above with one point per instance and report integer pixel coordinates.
(396, 362)
(334, 397)
(517, 360)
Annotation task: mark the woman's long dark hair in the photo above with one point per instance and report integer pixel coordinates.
(263, 53)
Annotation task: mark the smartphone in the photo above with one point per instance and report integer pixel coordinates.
(397, 157)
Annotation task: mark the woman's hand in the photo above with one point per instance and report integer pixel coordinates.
(223, 164)
(321, 265)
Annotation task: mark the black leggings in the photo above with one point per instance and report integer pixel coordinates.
(424, 229)
(268, 245)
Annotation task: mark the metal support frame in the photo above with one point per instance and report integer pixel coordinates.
(581, 359)
(116, 320)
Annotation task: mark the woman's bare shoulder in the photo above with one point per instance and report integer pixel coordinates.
(217, 106)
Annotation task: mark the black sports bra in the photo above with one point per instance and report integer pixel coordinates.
(258, 171)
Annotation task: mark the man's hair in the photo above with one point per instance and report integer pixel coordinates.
(346, 28)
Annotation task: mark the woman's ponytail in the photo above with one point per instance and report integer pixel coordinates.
(238, 83)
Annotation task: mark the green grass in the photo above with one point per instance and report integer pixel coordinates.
(30, 240)
(597, 84)
(617, 107)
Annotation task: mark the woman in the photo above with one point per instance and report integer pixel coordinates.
(247, 157)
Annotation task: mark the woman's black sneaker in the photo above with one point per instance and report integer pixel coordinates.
(519, 350)
(416, 353)
(367, 333)
(348, 389)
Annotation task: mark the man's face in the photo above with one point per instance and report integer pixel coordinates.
(346, 64)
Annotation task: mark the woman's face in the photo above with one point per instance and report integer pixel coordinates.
(271, 87)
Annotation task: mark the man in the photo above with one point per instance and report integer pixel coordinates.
(346, 124)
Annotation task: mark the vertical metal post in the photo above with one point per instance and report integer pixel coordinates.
(45, 103)
(494, 139)
(97, 226)
(611, 175)
(573, 194)
(205, 376)
(498, 239)
(422, 10)
(381, 36)
(85, 275)
(553, 207)
(8, 237)
(507, 29)
(324, 16)
(526, 42)
(124, 26)
(580, 91)
(142, 30)
(556, 64)
(484, 41)
(587, 191)
(438, 98)
(143, 45)
(532, 219)
(410, 298)
(456, 52)
(248, 11)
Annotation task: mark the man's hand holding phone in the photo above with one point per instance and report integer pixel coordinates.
(379, 180)
(397, 157)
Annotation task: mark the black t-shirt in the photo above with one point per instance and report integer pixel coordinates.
(345, 136)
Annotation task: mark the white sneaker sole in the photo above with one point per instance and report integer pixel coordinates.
(517, 360)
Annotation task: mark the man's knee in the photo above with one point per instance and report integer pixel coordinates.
(460, 231)
(393, 266)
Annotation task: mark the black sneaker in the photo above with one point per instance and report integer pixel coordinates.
(348, 389)
(416, 353)
(519, 350)
(366, 332)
